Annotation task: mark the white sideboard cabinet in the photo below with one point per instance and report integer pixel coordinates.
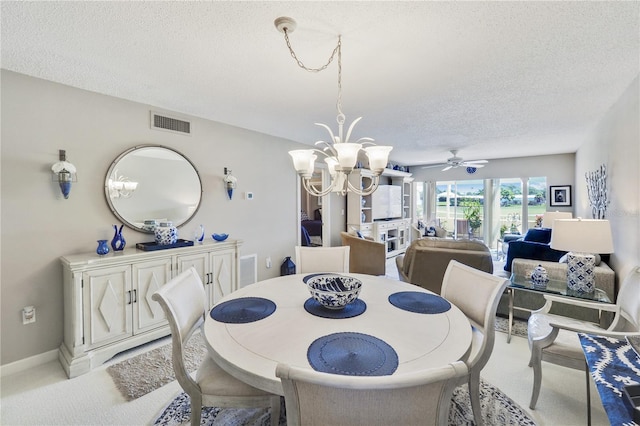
(107, 299)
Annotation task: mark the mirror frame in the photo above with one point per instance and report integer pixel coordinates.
(113, 167)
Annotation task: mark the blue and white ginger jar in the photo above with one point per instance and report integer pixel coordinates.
(166, 233)
(539, 277)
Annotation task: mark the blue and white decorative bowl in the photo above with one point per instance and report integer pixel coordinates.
(220, 237)
(334, 291)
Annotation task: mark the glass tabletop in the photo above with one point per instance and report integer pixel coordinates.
(558, 287)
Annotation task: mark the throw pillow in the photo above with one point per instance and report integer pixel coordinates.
(538, 235)
(303, 215)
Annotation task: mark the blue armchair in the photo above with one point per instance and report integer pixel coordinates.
(534, 245)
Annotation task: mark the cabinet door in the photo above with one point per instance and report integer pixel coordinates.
(200, 262)
(107, 299)
(147, 278)
(224, 280)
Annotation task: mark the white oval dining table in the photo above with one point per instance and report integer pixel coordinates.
(251, 351)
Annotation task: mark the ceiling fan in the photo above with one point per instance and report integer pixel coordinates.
(455, 162)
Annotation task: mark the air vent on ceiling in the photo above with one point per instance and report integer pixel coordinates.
(170, 124)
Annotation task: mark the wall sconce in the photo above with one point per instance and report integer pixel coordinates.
(121, 186)
(64, 173)
(229, 182)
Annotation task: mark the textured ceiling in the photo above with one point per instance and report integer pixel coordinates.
(492, 79)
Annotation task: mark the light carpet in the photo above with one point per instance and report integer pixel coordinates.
(497, 409)
(146, 372)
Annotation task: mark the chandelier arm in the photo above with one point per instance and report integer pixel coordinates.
(351, 128)
(366, 191)
(311, 189)
(333, 137)
(302, 65)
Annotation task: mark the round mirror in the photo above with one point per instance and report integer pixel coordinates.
(148, 183)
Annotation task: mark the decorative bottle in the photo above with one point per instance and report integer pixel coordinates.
(166, 233)
(103, 247)
(118, 242)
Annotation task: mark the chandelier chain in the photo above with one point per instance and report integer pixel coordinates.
(302, 65)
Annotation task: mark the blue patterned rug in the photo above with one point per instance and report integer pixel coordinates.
(497, 409)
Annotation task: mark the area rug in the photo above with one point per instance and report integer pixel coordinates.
(497, 409)
(146, 372)
(151, 370)
(519, 326)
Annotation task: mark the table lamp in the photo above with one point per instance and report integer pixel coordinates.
(549, 217)
(582, 238)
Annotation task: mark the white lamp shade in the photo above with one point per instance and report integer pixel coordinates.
(582, 236)
(378, 157)
(549, 217)
(303, 160)
(332, 163)
(347, 154)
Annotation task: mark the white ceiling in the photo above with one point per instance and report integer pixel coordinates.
(492, 79)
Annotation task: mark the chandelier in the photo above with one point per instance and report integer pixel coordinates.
(340, 155)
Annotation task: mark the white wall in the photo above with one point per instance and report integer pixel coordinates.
(39, 226)
(615, 142)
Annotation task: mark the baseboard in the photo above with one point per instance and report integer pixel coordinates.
(27, 363)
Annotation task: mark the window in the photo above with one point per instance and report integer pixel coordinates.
(459, 207)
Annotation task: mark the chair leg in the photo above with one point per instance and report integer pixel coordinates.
(275, 411)
(474, 394)
(588, 396)
(196, 409)
(536, 361)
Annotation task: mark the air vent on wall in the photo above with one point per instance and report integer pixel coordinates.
(170, 124)
(248, 269)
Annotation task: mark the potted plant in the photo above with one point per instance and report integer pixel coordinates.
(503, 229)
(472, 214)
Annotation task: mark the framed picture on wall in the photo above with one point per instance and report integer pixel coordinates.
(560, 196)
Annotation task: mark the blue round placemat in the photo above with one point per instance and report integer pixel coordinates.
(243, 310)
(352, 354)
(419, 302)
(353, 309)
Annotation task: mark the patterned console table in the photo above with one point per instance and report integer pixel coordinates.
(613, 364)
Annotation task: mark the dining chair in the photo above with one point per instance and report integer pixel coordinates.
(322, 259)
(476, 293)
(317, 399)
(554, 338)
(183, 301)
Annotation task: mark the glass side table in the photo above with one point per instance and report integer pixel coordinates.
(557, 287)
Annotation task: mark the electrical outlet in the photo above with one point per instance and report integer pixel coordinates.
(268, 262)
(28, 315)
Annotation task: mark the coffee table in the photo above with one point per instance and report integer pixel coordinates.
(556, 287)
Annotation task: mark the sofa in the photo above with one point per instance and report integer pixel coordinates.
(604, 280)
(365, 255)
(426, 260)
(534, 245)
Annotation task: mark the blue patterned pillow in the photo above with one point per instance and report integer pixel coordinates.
(303, 215)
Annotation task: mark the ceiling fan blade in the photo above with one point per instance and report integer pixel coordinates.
(430, 166)
(446, 168)
(472, 162)
(477, 166)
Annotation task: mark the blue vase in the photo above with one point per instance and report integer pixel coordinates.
(103, 248)
(118, 241)
(287, 267)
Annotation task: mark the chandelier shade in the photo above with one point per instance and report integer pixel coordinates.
(341, 155)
